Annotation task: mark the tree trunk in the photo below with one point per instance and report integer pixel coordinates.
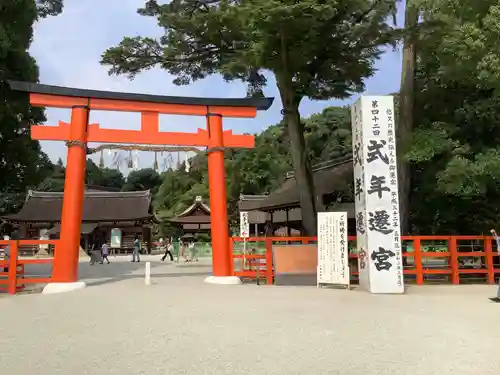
(303, 176)
(406, 116)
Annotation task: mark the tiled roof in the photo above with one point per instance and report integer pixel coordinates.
(328, 178)
(198, 219)
(197, 213)
(98, 206)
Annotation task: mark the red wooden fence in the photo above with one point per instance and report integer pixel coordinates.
(455, 251)
(16, 279)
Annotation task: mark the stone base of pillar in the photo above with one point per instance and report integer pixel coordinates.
(54, 288)
(223, 280)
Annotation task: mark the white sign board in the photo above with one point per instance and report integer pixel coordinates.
(244, 225)
(376, 195)
(116, 238)
(333, 255)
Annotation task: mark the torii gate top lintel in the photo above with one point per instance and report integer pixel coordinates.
(67, 97)
(150, 107)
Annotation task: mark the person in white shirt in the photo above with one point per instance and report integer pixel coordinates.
(104, 253)
(192, 251)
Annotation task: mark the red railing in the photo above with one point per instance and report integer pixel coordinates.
(447, 258)
(16, 279)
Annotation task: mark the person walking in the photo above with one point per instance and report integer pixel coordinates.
(168, 250)
(95, 254)
(137, 249)
(192, 251)
(182, 251)
(497, 241)
(104, 253)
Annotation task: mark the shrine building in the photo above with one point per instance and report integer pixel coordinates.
(127, 214)
(279, 214)
(193, 220)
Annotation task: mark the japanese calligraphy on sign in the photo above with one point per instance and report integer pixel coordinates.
(376, 194)
(333, 257)
(244, 225)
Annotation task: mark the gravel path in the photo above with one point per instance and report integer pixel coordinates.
(179, 325)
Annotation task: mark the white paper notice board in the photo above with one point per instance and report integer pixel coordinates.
(333, 255)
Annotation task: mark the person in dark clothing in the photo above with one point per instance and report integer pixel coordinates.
(168, 250)
(137, 249)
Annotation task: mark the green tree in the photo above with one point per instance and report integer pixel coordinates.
(47, 8)
(94, 175)
(328, 134)
(454, 151)
(314, 49)
(142, 179)
(22, 163)
(55, 181)
(111, 178)
(105, 177)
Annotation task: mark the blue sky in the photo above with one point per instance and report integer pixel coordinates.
(68, 50)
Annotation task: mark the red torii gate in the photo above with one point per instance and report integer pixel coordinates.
(79, 132)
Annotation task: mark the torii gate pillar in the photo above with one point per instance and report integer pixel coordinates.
(221, 253)
(66, 260)
(79, 132)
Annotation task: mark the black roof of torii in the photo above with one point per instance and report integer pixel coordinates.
(259, 103)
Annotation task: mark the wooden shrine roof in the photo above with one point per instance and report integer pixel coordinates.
(197, 213)
(248, 203)
(328, 178)
(191, 220)
(98, 206)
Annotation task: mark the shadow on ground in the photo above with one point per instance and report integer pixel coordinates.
(156, 276)
(121, 268)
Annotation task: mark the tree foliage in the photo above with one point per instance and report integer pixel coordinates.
(106, 177)
(142, 179)
(455, 150)
(47, 8)
(103, 177)
(22, 163)
(315, 49)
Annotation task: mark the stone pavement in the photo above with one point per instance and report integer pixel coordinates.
(179, 325)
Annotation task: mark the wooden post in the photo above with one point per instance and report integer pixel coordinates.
(455, 276)
(218, 198)
(489, 260)
(231, 252)
(417, 258)
(269, 261)
(12, 276)
(66, 252)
